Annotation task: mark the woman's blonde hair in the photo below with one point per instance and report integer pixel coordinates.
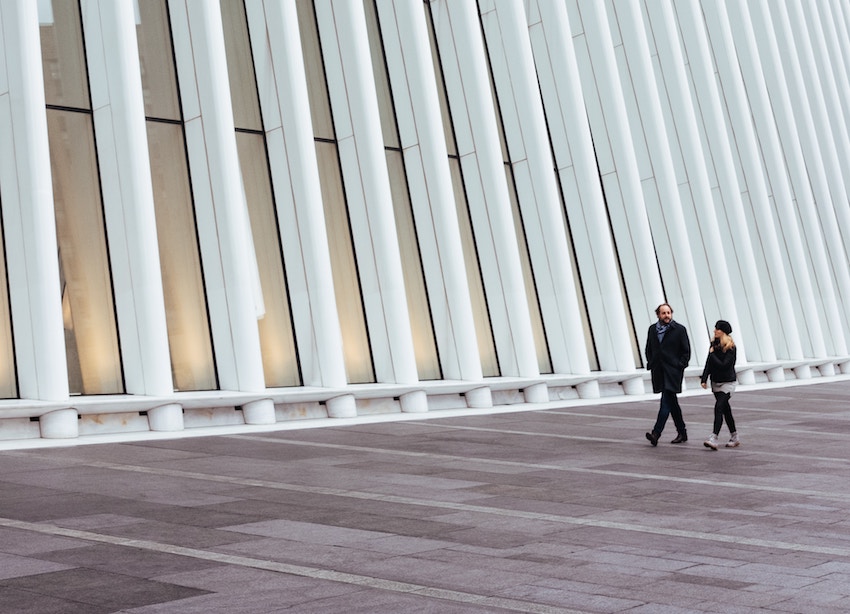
(726, 341)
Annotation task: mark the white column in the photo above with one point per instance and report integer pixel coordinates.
(835, 12)
(354, 103)
(408, 53)
(762, 109)
(474, 117)
(732, 218)
(285, 106)
(775, 284)
(28, 219)
(537, 189)
(566, 115)
(119, 121)
(786, 79)
(833, 47)
(220, 207)
(827, 108)
(673, 245)
(623, 192)
(687, 131)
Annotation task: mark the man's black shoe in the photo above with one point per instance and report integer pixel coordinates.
(680, 438)
(653, 438)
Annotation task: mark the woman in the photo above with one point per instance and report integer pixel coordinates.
(720, 366)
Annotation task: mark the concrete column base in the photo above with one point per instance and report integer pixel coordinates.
(342, 407)
(536, 393)
(803, 372)
(777, 374)
(634, 386)
(479, 397)
(588, 390)
(746, 377)
(414, 402)
(166, 418)
(827, 369)
(59, 424)
(259, 412)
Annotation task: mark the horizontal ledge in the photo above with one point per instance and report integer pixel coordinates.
(108, 404)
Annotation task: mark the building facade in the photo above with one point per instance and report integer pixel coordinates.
(251, 211)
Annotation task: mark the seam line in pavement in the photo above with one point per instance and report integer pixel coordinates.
(287, 568)
(610, 472)
(706, 420)
(620, 441)
(466, 507)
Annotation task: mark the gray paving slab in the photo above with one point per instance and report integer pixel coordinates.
(563, 509)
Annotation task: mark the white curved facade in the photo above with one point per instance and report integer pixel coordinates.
(253, 211)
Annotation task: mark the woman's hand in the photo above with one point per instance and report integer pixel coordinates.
(703, 384)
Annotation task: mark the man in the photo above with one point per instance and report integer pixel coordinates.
(668, 352)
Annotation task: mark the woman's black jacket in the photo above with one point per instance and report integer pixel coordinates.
(720, 365)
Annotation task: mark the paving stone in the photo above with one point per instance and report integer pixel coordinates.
(563, 509)
(99, 589)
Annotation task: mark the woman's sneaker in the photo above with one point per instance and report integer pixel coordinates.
(733, 441)
(711, 442)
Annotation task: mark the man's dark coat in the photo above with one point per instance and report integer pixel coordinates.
(667, 359)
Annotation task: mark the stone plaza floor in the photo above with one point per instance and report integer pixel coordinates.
(565, 508)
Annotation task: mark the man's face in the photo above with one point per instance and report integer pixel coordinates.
(665, 314)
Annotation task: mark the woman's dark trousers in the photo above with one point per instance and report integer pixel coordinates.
(722, 410)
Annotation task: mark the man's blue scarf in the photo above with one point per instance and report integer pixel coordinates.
(661, 330)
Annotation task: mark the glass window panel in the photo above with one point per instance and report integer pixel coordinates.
(544, 361)
(502, 139)
(159, 81)
(589, 342)
(62, 57)
(240, 66)
(382, 85)
(538, 330)
(192, 363)
(8, 378)
(317, 90)
(349, 302)
(448, 130)
(94, 363)
(480, 313)
(280, 360)
(424, 344)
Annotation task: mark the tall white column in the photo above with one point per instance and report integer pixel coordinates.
(411, 70)
(623, 191)
(704, 224)
(537, 189)
(790, 76)
(836, 12)
(829, 115)
(733, 219)
(802, 186)
(223, 226)
(834, 48)
(28, 218)
(354, 104)
(119, 121)
(681, 282)
(566, 116)
(285, 106)
(474, 118)
(762, 110)
(758, 284)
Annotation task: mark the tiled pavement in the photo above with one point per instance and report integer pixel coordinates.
(562, 509)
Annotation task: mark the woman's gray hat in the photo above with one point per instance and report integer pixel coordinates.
(724, 326)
